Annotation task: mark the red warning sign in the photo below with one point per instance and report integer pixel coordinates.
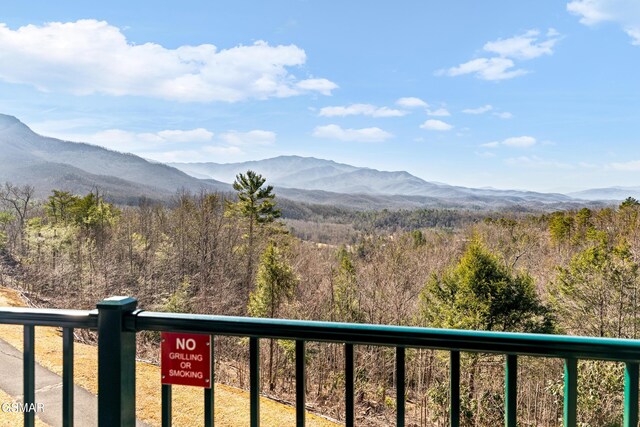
(186, 359)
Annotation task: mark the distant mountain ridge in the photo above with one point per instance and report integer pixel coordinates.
(50, 163)
(46, 163)
(309, 173)
(608, 193)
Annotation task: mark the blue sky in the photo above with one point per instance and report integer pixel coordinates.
(527, 94)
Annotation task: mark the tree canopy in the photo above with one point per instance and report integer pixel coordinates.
(255, 201)
(275, 283)
(481, 293)
(596, 294)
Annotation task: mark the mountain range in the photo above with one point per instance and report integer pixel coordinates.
(608, 193)
(47, 163)
(308, 173)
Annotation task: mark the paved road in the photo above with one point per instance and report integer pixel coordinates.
(48, 391)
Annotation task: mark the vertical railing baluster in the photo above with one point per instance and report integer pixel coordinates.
(254, 380)
(28, 374)
(570, 392)
(67, 377)
(454, 385)
(631, 394)
(300, 383)
(511, 391)
(400, 386)
(166, 405)
(208, 407)
(349, 382)
(209, 413)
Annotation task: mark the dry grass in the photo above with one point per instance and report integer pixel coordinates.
(231, 404)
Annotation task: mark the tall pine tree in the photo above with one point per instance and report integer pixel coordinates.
(256, 204)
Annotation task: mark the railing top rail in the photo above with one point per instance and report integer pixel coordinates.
(49, 317)
(544, 345)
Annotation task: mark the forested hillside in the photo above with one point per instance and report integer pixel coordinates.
(571, 272)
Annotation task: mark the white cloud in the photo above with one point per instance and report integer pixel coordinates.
(440, 112)
(323, 86)
(503, 115)
(487, 69)
(626, 13)
(166, 145)
(360, 109)
(633, 165)
(516, 141)
(127, 141)
(522, 47)
(479, 110)
(519, 141)
(195, 135)
(207, 153)
(90, 56)
(438, 125)
(373, 134)
(492, 144)
(411, 102)
(634, 33)
(253, 137)
(552, 32)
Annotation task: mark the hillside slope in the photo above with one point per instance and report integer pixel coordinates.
(45, 163)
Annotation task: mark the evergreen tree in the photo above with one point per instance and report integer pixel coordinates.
(346, 304)
(596, 294)
(256, 204)
(59, 206)
(630, 202)
(275, 284)
(480, 293)
(560, 226)
(5, 219)
(179, 301)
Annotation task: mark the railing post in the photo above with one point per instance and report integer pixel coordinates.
(349, 380)
(570, 392)
(400, 386)
(28, 375)
(631, 374)
(254, 382)
(511, 391)
(167, 400)
(116, 364)
(454, 385)
(67, 377)
(300, 383)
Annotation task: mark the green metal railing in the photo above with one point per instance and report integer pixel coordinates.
(118, 321)
(65, 319)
